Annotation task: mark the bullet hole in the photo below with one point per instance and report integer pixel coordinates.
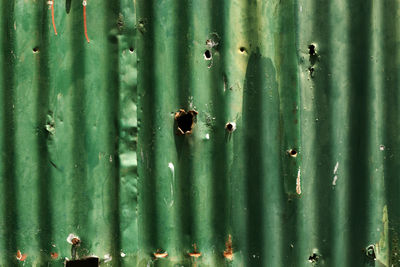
(313, 258)
(311, 50)
(370, 252)
(207, 55)
(86, 262)
(292, 153)
(313, 54)
(131, 50)
(230, 126)
(35, 50)
(242, 49)
(185, 121)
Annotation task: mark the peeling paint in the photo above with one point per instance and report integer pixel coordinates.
(382, 247)
(298, 185)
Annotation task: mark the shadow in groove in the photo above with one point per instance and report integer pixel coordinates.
(44, 137)
(359, 184)
(8, 128)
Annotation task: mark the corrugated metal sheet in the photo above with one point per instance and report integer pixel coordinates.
(89, 142)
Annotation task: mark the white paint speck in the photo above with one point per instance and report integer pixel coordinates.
(171, 202)
(171, 166)
(336, 167)
(207, 136)
(123, 255)
(70, 237)
(334, 180)
(107, 258)
(298, 185)
(110, 158)
(301, 8)
(381, 147)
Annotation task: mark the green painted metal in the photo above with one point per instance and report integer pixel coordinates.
(89, 142)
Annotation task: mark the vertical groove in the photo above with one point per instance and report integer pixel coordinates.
(80, 209)
(391, 97)
(146, 97)
(184, 144)
(8, 128)
(113, 69)
(44, 175)
(219, 170)
(359, 129)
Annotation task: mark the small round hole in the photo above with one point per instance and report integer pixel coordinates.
(131, 50)
(242, 49)
(292, 153)
(230, 126)
(207, 55)
(35, 50)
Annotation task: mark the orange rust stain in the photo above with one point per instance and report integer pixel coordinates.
(195, 254)
(54, 255)
(75, 241)
(228, 253)
(20, 256)
(159, 255)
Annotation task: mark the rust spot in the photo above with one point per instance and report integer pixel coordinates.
(228, 253)
(160, 254)
(20, 256)
(195, 253)
(185, 121)
(76, 241)
(54, 255)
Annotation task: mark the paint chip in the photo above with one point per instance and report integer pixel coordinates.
(298, 185)
(107, 258)
(73, 239)
(336, 167)
(123, 254)
(334, 180)
(171, 166)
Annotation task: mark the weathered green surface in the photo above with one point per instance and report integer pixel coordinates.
(89, 146)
